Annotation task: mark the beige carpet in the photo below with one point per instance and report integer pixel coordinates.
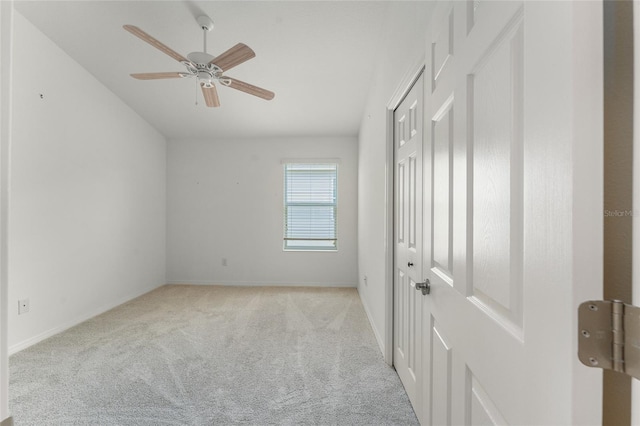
(203, 355)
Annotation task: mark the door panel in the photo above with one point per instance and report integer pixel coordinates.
(442, 190)
(442, 50)
(408, 141)
(401, 203)
(480, 408)
(495, 118)
(440, 376)
(412, 231)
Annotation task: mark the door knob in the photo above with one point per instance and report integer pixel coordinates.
(410, 264)
(425, 287)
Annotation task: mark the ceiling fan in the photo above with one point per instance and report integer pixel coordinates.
(205, 67)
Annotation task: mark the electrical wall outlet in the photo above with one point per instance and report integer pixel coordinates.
(23, 306)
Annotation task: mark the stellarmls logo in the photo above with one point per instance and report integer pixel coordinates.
(621, 213)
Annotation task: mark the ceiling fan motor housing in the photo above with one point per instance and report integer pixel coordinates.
(200, 65)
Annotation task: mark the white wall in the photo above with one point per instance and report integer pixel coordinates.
(88, 193)
(6, 25)
(400, 56)
(225, 200)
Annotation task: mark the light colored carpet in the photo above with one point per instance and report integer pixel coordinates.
(202, 355)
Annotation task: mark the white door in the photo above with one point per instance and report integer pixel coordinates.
(513, 211)
(408, 139)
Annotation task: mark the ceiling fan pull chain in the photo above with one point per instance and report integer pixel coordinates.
(196, 92)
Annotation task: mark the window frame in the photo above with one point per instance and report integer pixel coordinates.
(330, 163)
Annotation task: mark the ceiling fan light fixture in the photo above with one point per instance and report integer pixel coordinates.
(204, 76)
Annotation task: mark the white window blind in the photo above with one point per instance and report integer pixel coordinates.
(310, 206)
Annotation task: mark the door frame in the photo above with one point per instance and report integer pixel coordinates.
(402, 89)
(635, 252)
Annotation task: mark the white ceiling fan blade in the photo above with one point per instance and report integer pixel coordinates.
(235, 56)
(210, 95)
(157, 75)
(247, 88)
(155, 43)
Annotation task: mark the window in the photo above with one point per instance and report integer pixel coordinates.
(310, 206)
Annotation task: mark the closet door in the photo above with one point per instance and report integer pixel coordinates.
(408, 140)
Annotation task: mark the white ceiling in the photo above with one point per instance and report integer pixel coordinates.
(317, 56)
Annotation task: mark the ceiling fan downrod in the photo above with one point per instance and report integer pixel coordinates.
(200, 63)
(207, 25)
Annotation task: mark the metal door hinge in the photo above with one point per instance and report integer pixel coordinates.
(609, 336)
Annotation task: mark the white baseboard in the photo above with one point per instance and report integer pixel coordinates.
(67, 325)
(379, 339)
(261, 284)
